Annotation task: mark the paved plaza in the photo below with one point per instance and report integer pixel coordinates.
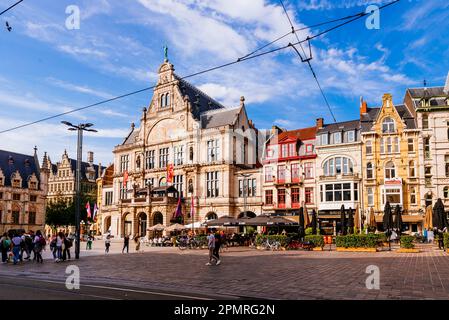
(250, 273)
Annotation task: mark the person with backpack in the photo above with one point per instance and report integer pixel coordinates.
(53, 247)
(39, 244)
(5, 243)
(107, 243)
(27, 243)
(17, 245)
(89, 242)
(67, 245)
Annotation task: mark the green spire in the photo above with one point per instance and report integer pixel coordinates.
(166, 53)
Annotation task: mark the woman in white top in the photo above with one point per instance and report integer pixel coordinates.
(59, 244)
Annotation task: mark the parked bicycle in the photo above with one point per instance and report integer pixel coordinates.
(272, 245)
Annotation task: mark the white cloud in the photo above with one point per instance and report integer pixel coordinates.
(76, 51)
(78, 88)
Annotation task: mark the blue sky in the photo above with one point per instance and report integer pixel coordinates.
(46, 68)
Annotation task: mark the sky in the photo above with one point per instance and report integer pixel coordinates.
(46, 69)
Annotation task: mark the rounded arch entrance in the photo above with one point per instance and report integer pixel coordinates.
(158, 218)
(142, 226)
(211, 216)
(127, 224)
(107, 224)
(249, 214)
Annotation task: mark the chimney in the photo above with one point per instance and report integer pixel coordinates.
(319, 123)
(275, 130)
(363, 106)
(90, 157)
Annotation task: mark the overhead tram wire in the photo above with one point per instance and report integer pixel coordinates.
(355, 17)
(242, 59)
(6, 10)
(362, 13)
(307, 59)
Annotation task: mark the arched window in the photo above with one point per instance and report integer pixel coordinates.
(162, 101)
(411, 169)
(369, 147)
(390, 171)
(388, 125)
(211, 216)
(338, 165)
(369, 170)
(167, 99)
(158, 218)
(446, 192)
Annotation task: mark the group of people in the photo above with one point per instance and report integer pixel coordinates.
(136, 239)
(15, 245)
(60, 245)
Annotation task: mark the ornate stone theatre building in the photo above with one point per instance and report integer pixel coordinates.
(186, 146)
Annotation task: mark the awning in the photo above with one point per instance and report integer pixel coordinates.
(405, 218)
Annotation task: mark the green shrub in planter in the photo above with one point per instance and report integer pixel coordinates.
(446, 240)
(357, 241)
(309, 231)
(407, 242)
(318, 241)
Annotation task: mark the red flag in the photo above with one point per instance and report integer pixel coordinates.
(125, 179)
(88, 210)
(170, 173)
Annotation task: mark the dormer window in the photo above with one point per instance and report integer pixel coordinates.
(351, 136)
(388, 126)
(33, 185)
(324, 139)
(337, 137)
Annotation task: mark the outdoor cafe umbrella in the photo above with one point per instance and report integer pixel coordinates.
(260, 220)
(372, 218)
(428, 218)
(398, 219)
(357, 218)
(343, 220)
(156, 227)
(350, 221)
(439, 216)
(175, 227)
(314, 221)
(222, 221)
(388, 222)
(301, 231)
(306, 216)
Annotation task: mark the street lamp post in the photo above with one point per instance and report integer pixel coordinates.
(79, 152)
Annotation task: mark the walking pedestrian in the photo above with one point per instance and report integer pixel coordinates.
(126, 244)
(59, 245)
(39, 245)
(67, 245)
(5, 244)
(89, 242)
(17, 244)
(218, 242)
(107, 243)
(53, 247)
(137, 241)
(211, 246)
